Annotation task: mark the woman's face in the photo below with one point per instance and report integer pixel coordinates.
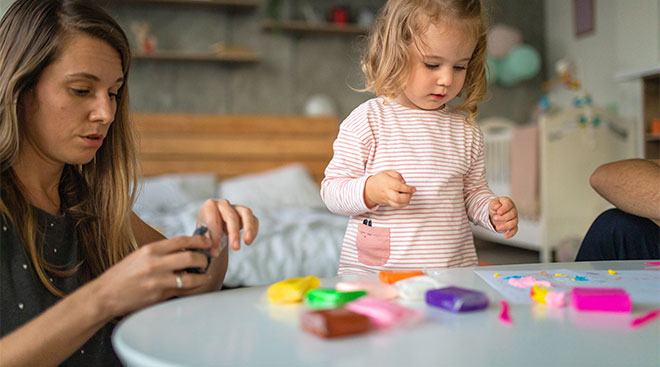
(69, 112)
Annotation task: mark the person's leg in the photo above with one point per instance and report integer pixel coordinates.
(617, 235)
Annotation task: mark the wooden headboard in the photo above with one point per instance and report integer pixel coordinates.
(231, 145)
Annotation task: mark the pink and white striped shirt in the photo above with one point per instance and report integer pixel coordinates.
(439, 154)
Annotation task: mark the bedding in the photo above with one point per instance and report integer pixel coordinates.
(297, 235)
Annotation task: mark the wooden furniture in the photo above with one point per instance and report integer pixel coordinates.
(241, 328)
(646, 91)
(226, 57)
(567, 155)
(229, 4)
(231, 145)
(225, 54)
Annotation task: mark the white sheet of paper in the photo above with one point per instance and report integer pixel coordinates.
(643, 286)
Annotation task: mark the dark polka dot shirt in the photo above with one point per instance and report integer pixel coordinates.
(24, 297)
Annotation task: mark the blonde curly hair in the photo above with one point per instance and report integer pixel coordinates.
(386, 62)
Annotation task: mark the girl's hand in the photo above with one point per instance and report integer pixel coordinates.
(387, 188)
(149, 275)
(221, 218)
(503, 215)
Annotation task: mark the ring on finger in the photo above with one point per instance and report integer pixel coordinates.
(179, 281)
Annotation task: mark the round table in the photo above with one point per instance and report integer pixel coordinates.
(241, 328)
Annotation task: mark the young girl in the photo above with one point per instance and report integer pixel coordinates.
(407, 168)
(73, 257)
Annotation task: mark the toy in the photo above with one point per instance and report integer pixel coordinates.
(292, 290)
(415, 288)
(146, 42)
(456, 299)
(384, 313)
(589, 118)
(200, 231)
(526, 282)
(334, 322)
(509, 60)
(545, 296)
(329, 298)
(502, 39)
(600, 299)
(504, 314)
(373, 287)
(393, 276)
(645, 318)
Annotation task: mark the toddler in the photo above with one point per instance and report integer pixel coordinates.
(407, 167)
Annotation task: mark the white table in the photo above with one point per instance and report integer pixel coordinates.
(241, 328)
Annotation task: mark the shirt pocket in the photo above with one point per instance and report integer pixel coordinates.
(373, 245)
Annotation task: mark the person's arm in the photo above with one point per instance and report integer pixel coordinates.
(53, 336)
(343, 187)
(143, 232)
(476, 193)
(144, 277)
(631, 185)
(225, 222)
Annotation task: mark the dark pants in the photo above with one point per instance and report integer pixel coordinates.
(617, 235)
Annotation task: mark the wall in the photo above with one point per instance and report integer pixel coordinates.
(4, 4)
(626, 38)
(292, 67)
(518, 102)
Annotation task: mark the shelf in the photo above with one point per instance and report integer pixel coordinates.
(652, 137)
(230, 4)
(302, 27)
(636, 74)
(228, 57)
(651, 112)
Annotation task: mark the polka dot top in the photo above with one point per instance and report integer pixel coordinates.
(24, 297)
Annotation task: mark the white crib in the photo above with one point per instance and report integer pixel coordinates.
(568, 154)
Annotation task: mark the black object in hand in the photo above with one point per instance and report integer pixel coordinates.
(200, 231)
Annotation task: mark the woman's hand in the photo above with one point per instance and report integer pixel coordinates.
(152, 274)
(224, 222)
(221, 218)
(155, 272)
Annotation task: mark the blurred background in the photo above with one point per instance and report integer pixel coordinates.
(598, 59)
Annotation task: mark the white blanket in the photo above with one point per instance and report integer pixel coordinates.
(293, 241)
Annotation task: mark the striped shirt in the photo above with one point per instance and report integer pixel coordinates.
(439, 154)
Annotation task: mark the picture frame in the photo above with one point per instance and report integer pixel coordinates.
(583, 12)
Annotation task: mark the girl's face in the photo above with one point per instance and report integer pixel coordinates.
(439, 67)
(68, 113)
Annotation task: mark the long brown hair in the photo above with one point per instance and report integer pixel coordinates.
(386, 60)
(98, 195)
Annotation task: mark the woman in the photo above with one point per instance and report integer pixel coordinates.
(74, 257)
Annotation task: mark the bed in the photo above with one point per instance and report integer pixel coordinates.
(545, 168)
(272, 164)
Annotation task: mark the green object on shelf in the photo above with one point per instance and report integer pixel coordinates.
(330, 298)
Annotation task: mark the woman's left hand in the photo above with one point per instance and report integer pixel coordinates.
(223, 218)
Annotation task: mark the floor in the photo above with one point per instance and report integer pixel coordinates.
(490, 253)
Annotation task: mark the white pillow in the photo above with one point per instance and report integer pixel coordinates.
(166, 193)
(290, 186)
